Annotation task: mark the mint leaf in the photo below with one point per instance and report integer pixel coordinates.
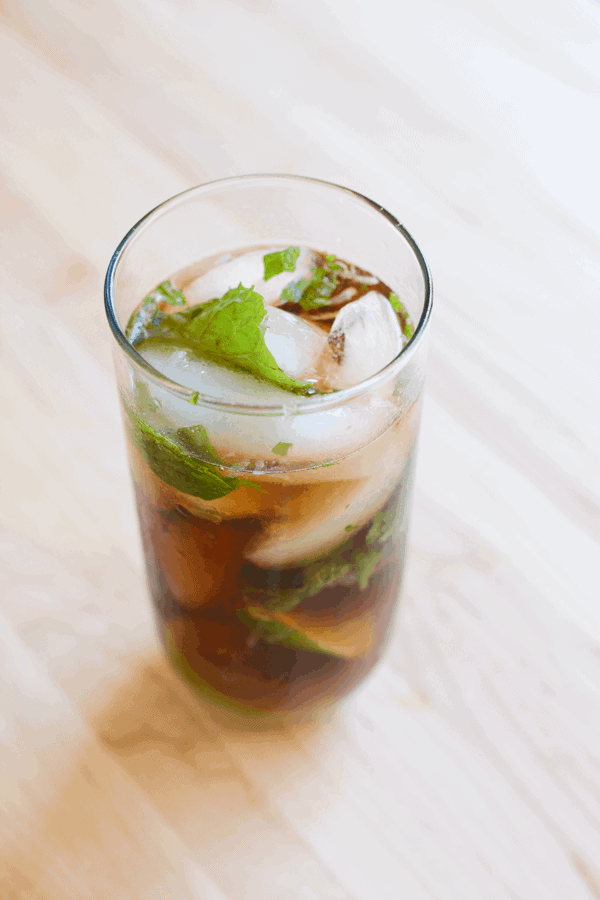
(365, 563)
(314, 292)
(280, 261)
(196, 439)
(311, 293)
(174, 466)
(229, 330)
(281, 448)
(318, 291)
(382, 527)
(144, 401)
(395, 301)
(293, 293)
(348, 564)
(167, 292)
(318, 575)
(144, 321)
(399, 307)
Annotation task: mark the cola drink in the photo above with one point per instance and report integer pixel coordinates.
(273, 517)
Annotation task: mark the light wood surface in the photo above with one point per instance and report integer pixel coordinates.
(468, 767)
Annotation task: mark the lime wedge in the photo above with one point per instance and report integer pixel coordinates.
(298, 631)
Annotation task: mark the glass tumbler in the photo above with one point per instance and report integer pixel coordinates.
(276, 588)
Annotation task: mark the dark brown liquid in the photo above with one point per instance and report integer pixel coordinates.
(200, 579)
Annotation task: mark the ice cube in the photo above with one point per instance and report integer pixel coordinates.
(247, 269)
(210, 379)
(316, 520)
(315, 436)
(364, 338)
(294, 342)
(244, 436)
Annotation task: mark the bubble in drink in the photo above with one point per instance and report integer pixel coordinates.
(274, 544)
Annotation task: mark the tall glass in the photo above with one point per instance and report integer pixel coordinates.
(278, 596)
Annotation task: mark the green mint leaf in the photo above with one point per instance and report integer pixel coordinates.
(399, 307)
(281, 449)
(314, 292)
(194, 397)
(350, 527)
(167, 292)
(318, 575)
(364, 566)
(144, 401)
(174, 466)
(144, 321)
(395, 301)
(382, 528)
(229, 331)
(196, 439)
(319, 289)
(348, 563)
(253, 484)
(293, 293)
(280, 261)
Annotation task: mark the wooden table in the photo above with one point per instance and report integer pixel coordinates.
(467, 768)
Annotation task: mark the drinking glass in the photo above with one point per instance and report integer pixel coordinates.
(278, 594)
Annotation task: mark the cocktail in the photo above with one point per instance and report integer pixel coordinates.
(270, 359)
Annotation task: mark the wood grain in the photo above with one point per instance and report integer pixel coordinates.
(468, 765)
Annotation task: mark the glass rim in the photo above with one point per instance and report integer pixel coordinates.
(311, 404)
